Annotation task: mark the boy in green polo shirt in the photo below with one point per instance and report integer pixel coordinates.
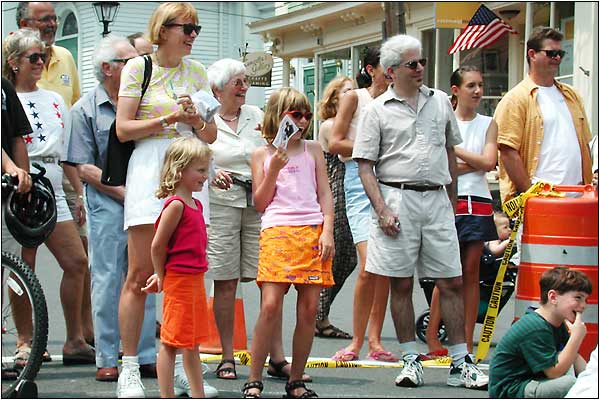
(533, 359)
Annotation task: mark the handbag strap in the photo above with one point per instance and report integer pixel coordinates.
(147, 74)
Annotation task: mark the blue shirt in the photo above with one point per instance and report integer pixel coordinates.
(91, 116)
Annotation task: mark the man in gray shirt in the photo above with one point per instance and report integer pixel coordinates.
(404, 148)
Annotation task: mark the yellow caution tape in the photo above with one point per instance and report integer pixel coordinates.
(245, 359)
(514, 208)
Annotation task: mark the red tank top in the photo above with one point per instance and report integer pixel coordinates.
(186, 251)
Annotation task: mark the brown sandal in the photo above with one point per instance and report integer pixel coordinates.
(220, 371)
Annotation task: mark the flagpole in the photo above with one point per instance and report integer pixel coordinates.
(528, 26)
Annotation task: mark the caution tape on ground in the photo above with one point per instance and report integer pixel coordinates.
(514, 208)
(313, 362)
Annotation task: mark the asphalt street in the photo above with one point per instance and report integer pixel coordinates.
(58, 381)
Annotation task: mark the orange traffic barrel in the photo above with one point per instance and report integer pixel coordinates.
(560, 231)
(212, 344)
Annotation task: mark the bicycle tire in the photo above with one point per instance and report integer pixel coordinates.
(15, 269)
(421, 328)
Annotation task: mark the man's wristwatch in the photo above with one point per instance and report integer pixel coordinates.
(163, 122)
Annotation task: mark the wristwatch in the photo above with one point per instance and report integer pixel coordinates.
(163, 122)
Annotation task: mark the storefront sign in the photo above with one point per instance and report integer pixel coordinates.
(259, 66)
(454, 15)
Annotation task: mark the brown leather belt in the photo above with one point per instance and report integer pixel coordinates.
(416, 188)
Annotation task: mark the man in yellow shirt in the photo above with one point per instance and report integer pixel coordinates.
(543, 131)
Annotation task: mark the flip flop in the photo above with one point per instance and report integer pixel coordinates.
(87, 356)
(331, 331)
(433, 355)
(382, 355)
(345, 355)
(22, 356)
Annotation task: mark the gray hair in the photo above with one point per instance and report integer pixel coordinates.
(15, 45)
(221, 72)
(104, 52)
(22, 11)
(395, 47)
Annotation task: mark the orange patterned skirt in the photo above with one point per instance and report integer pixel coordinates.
(185, 310)
(290, 254)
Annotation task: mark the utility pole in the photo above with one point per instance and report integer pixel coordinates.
(394, 19)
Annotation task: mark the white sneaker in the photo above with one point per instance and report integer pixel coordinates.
(412, 372)
(130, 384)
(468, 375)
(181, 385)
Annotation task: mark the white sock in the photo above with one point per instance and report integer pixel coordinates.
(409, 348)
(130, 362)
(458, 353)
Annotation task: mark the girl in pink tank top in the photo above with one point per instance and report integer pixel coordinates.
(179, 259)
(291, 188)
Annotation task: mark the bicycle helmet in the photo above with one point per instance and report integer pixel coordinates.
(31, 217)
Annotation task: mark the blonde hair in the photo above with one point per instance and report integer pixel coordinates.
(328, 106)
(166, 13)
(15, 45)
(282, 100)
(180, 153)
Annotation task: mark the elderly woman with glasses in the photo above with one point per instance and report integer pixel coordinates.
(149, 121)
(235, 223)
(23, 62)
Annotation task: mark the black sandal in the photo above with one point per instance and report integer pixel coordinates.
(252, 385)
(275, 370)
(331, 332)
(221, 370)
(308, 394)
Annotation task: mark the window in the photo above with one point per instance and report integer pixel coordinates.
(67, 34)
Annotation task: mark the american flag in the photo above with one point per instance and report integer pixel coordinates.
(482, 30)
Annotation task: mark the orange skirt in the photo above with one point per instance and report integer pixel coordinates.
(185, 311)
(290, 254)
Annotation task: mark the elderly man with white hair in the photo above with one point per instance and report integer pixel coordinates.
(407, 134)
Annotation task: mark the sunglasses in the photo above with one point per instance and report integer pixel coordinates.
(187, 28)
(122, 60)
(554, 53)
(35, 57)
(45, 20)
(413, 64)
(298, 114)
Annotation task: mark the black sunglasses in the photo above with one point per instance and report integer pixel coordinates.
(34, 57)
(553, 53)
(298, 114)
(122, 60)
(413, 64)
(187, 28)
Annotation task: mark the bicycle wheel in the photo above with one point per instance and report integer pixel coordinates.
(421, 328)
(20, 282)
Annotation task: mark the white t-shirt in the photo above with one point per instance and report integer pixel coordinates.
(49, 120)
(560, 156)
(473, 134)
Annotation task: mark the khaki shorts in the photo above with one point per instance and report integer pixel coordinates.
(232, 243)
(427, 241)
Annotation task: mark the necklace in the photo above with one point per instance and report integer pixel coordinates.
(230, 119)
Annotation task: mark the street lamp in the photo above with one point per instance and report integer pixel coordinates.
(106, 12)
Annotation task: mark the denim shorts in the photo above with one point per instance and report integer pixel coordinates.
(358, 206)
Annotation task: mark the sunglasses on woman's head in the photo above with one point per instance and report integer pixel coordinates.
(296, 114)
(34, 57)
(187, 28)
(413, 64)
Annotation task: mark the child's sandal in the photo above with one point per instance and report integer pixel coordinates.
(252, 385)
(221, 371)
(293, 385)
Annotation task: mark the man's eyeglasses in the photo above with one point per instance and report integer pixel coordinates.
(241, 82)
(45, 20)
(553, 53)
(296, 114)
(187, 28)
(122, 60)
(413, 64)
(35, 57)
